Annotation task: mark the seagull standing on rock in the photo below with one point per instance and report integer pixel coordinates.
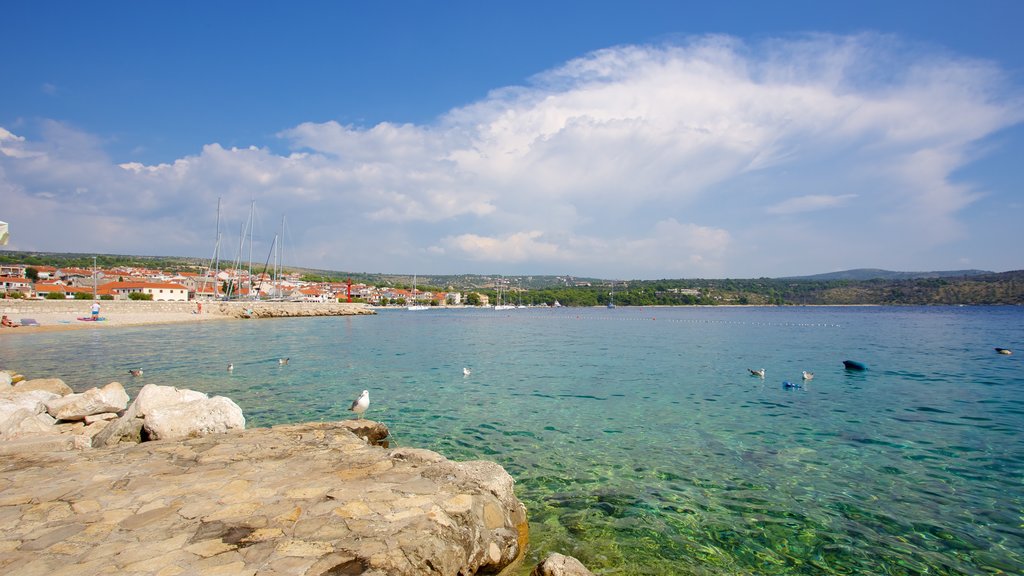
(359, 405)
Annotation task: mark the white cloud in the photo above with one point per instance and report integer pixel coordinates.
(809, 203)
(648, 161)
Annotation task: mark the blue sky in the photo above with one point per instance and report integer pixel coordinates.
(609, 139)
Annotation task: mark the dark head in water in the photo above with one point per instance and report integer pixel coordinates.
(854, 365)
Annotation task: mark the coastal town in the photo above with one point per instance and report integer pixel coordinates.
(131, 283)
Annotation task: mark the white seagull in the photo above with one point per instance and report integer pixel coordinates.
(808, 375)
(756, 372)
(231, 367)
(466, 371)
(359, 405)
(282, 361)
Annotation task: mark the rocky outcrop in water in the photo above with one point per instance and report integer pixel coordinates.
(301, 499)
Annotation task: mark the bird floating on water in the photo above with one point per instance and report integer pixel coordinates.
(1004, 351)
(466, 371)
(231, 367)
(283, 361)
(135, 371)
(808, 375)
(359, 405)
(759, 372)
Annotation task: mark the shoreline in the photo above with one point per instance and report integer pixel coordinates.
(63, 315)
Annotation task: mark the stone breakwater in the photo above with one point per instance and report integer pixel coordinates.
(17, 308)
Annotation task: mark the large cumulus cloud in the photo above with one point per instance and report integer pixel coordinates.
(711, 157)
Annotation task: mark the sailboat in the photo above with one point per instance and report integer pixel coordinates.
(413, 306)
(498, 305)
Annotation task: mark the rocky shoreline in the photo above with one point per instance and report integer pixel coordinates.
(212, 497)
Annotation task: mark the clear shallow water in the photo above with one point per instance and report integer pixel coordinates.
(639, 441)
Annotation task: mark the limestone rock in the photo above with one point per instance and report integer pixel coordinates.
(11, 377)
(309, 499)
(55, 385)
(110, 398)
(374, 433)
(16, 407)
(25, 422)
(193, 419)
(558, 565)
(123, 429)
(93, 418)
(153, 396)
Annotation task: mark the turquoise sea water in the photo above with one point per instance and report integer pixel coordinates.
(639, 441)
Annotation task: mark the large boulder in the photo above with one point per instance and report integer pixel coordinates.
(153, 396)
(558, 565)
(193, 419)
(26, 422)
(166, 412)
(55, 385)
(18, 407)
(110, 398)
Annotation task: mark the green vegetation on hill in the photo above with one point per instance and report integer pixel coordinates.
(851, 287)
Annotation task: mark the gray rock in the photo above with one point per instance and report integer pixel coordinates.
(193, 419)
(110, 398)
(55, 385)
(559, 565)
(123, 429)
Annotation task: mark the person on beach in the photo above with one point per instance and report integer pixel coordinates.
(7, 322)
(95, 310)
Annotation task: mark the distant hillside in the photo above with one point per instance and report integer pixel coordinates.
(862, 274)
(862, 286)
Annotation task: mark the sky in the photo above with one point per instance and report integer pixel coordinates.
(618, 140)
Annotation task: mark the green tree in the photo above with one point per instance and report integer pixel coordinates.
(32, 274)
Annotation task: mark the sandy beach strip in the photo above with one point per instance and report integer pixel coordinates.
(57, 321)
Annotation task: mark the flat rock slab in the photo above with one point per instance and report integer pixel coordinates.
(299, 499)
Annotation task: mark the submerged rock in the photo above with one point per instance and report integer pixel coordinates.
(559, 565)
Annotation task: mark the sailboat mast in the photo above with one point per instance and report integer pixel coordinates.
(216, 253)
(252, 208)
